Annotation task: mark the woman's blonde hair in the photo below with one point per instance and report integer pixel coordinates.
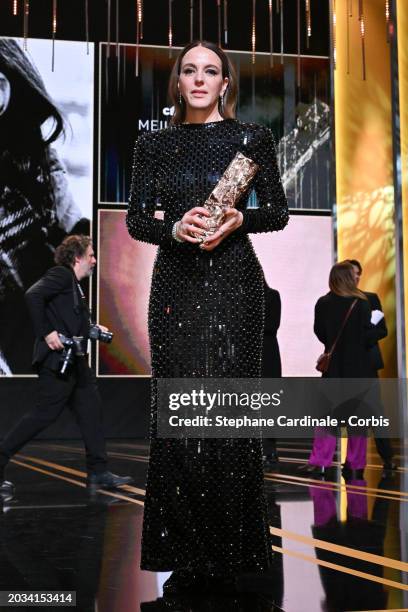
(341, 281)
(227, 109)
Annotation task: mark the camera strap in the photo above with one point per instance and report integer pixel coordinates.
(76, 288)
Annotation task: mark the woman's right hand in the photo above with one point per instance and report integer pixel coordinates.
(193, 222)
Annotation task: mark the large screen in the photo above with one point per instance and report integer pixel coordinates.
(299, 115)
(87, 180)
(46, 192)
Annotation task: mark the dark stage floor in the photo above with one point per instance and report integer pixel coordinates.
(338, 547)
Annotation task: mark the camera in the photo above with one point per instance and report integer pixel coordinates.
(77, 346)
(67, 355)
(95, 333)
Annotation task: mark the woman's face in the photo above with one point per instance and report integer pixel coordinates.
(4, 93)
(201, 82)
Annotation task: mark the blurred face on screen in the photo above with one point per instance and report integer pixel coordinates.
(201, 82)
(356, 274)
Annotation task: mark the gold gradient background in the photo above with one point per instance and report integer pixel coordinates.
(402, 26)
(364, 161)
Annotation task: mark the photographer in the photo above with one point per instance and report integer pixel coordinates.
(61, 317)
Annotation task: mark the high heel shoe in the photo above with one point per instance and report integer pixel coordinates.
(312, 470)
(350, 473)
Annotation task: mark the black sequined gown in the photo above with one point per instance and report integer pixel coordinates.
(204, 505)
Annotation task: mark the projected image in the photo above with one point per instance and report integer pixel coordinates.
(124, 277)
(298, 113)
(45, 174)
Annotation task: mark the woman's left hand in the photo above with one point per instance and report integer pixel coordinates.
(233, 219)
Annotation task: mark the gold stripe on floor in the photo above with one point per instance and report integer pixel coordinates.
(76, 482)
(68, 470)
(79, 451)
(340, 568)
(341, 550)
(358, 489)
(336, 488)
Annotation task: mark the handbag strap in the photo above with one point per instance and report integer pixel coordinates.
(348, 313)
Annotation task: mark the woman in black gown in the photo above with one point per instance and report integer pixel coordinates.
(205, 510)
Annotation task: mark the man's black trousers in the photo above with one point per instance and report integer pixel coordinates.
(79, 391)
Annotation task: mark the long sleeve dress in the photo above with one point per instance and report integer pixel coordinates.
(205, 506)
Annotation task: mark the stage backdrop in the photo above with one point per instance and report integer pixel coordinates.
(296, 261)
(295, 105)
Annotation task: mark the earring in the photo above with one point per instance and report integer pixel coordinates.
(222, 103)
(180, 99)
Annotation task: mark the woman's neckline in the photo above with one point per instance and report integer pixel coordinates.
(207, 124)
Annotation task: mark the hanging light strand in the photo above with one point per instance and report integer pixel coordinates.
(140, 16)
(219, 21)
(362, 36)
(298, 43)
(15, 7)
(117, 28)
(54, 31)
(170, 27)
(87, 25)
(271, 33)
(281, 28)
(334, 34)
(225, 22)
(201, 19)
(350, 7)
(253, 37)
(109, 9)
(25, 23)
(348, 35)
(387, 19)
(308, 23)
(191, 19)
(137, 41)
(117, 47)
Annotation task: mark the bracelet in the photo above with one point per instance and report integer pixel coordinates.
(174, 232)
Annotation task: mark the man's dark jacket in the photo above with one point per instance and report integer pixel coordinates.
(55, 304)
(376, 359)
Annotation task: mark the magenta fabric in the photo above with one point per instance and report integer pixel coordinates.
(324, 446)
(324, 505)
(357, 504)
(356, 452)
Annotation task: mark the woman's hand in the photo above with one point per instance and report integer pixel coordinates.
(233, 219)
(193, 222)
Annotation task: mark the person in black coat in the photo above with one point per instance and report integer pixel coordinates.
(383, 445)
(57, 305)
(271, 359)
(350, 359)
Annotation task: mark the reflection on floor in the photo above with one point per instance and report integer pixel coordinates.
(338, 546)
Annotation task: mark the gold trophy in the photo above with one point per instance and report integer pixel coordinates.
(229, 189)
